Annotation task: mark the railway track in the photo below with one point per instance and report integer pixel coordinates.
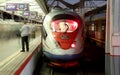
(93, 64)
(45, 70)
(53, 72)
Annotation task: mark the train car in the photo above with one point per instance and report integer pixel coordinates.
(63, 39)
(96, 26)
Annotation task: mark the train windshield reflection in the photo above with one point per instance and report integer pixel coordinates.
(64, 25)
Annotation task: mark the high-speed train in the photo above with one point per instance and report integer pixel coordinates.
(63, 39)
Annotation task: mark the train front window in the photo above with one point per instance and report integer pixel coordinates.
(64, 25)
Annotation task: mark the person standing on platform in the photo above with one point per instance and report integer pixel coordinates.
(25, 31)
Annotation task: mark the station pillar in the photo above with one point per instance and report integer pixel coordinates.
(112, 47)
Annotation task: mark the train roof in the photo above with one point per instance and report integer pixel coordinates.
(96, 17)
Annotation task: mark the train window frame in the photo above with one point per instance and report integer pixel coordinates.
(64, 25)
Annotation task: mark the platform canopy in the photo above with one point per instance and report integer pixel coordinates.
(43, 6)
(76, 5)
(12, 5)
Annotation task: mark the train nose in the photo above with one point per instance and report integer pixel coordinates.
(65, 42)
(65, 31)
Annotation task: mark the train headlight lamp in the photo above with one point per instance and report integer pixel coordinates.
(73, 45)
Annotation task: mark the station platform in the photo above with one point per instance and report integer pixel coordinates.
(16, 63)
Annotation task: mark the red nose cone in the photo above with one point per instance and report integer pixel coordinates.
(65, 32)
(65, 39)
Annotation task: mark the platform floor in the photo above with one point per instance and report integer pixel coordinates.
(11, 64)
(11, 46)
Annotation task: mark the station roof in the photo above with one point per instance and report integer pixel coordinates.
(76, 5)
(43, 6)
(33, 5)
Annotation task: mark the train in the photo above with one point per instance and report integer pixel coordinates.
(95, 26)
(62, 38)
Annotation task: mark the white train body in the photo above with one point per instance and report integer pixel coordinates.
(62, 36)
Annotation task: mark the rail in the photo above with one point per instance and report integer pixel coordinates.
(98, 40)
